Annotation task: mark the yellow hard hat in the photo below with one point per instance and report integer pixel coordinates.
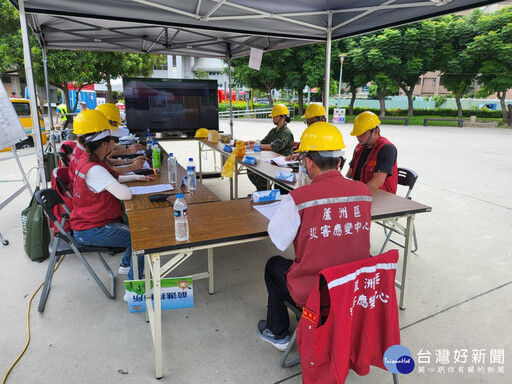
(314, 110)
(201, 133)
(111, 112)
(279, 110)
(321, 136)
(90, 121)
(364, 122)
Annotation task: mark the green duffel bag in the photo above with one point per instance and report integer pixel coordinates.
(36, 234)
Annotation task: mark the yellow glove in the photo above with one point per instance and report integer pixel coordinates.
(229, 167)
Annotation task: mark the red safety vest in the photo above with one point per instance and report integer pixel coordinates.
(368, 168)
(358, 321)
(90, 209)
(335, 216)
(74, 159)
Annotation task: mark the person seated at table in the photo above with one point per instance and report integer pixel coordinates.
(313, 114)
(328, 223)
(374, 159)
(96, 218)
(279, 140)
(81, 124)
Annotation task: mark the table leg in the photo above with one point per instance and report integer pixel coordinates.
(211, 288)
(157, 302)
(200, 163)
(236, 181)
(135, 266)
(407, 253)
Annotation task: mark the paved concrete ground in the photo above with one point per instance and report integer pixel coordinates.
(459, 283)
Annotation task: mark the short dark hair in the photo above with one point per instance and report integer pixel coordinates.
(325, 163)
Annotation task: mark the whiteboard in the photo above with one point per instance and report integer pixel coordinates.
(11, 130)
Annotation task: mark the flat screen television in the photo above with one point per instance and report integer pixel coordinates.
(171, 107)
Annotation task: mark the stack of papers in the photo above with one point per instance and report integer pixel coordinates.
(279, 161)
(151, 189)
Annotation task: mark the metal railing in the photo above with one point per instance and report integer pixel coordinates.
(252, 114)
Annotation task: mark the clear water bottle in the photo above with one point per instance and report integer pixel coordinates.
(257, 149)
(157, 160)
(303, 174)
(149, 142)
(172, 169)
(191, 175)
(180, 219)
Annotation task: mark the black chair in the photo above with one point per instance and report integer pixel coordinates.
(64, 159)
(406, 177)
(63, 243)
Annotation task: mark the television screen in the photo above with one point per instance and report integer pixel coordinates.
(173, 107)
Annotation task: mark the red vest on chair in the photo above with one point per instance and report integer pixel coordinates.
(74, 159)
(61, 173)
(358, 321)
(335, 215)
(93, 210)
(368, 168)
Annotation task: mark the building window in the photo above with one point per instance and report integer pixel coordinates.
(433, 82)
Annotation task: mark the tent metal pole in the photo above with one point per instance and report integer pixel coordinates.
(47, 86)
(29, 74)
(230, 99)
(327, 66)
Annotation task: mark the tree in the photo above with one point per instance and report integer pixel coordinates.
(459, 68)
(111, 65)
(11, 47)
(353, 74)
(201, 75)
(492, 48)
(271, 74)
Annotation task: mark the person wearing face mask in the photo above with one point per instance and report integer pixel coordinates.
(96, 217)
(328, 222)
(279, 140)
(375, 158)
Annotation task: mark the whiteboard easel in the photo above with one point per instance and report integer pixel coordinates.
(11, 133)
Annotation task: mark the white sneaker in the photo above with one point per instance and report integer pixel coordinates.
(124, 270)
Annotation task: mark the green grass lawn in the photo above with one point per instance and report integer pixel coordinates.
(416, 120)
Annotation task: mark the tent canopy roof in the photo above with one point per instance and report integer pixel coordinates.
(208, 27)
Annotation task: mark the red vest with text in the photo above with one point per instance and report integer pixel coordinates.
(368, 168)
(335, 216)
(350, 320)
(74, 159)
(90, 209)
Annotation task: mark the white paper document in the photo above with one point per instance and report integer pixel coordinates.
(151, 189)
(279, 161)
(267, 210)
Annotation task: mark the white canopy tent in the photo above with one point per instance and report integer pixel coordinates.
(212, 28)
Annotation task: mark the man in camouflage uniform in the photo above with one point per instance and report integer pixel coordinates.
(279, 140)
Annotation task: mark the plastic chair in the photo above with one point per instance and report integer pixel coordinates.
(406, 177)
(298, 313)
(63, 243)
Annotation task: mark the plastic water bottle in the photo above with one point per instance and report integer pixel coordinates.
(257, 149)
(149, 142)
(157, 161)
(303, 174)
(191, 175)
(172, 169)
(180, 219)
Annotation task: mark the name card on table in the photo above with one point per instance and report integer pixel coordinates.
(176, 293)
(286, 176)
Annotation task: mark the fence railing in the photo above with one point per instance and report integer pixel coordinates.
(251, 114)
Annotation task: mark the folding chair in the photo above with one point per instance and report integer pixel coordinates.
(350, 320)
(406, 177)
(63, 159)
(63, 243)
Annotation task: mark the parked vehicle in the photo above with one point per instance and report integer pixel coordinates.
(489, 106)
(22, 108)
